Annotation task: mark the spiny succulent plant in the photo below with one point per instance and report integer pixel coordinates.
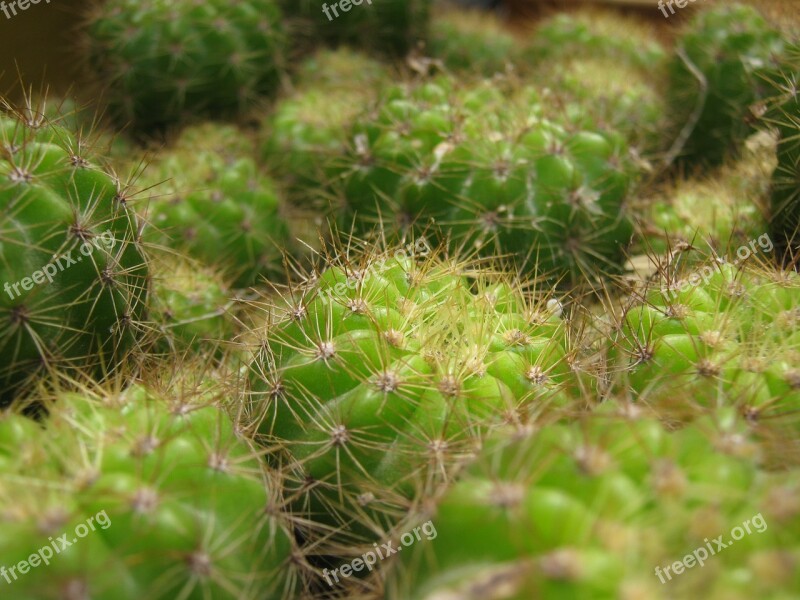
(191, 306)
(721, 211)
(724, 334)
(603, 508)
(73, 273)
(165, 62)
(592, 32)
(139, 493)
(493, 177)
(208, 199)
(90, 122)
(390, 27)
(308, 129)
(720, 69)
(783, 112)
(472, 42)
(374, 379)
(613, 67)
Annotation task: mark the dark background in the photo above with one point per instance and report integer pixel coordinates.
(40, 44)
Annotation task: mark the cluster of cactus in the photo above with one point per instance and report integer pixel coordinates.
(398, 300)
(493, 178)
(209, 199)
(580, 510)
(74, 278)
(162, 62)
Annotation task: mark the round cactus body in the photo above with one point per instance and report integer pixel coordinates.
(472, 43)
(718, 335)
(208, 199)
(73, 274)
(494, 179)
(612, 67)
(308, 130)
(719, 72)
(380, 376)
(138, 495)
(721, 211)
(191, 305)
(165, 62)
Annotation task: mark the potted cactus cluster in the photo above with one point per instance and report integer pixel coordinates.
(390, 299)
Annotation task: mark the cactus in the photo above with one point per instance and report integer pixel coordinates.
(613, 67)
(597, 33)
(494, 178)
(308, 129)
(390, 27)
(721, 335)
(73, 273)
(375, 380)
(209, 200)
(165, 497)
(720, 69)
(721, 211)
(783, 111)
(191, 306)
(164, 63)
(598, 508)
(472, 43)
(90, 123)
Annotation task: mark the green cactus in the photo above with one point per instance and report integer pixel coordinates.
(719, 71)
(721, 211)
(375, 379)
(472, 43)
(495, 178)
(192, 306)
(90, 123)
(208, 199)
(721, 335)
(599, 508)
(73, 273)
(613, 67)
(308, 130)
(390, 27)
(157, 495)
(165, 62)
(597, 33)
(784, 113)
